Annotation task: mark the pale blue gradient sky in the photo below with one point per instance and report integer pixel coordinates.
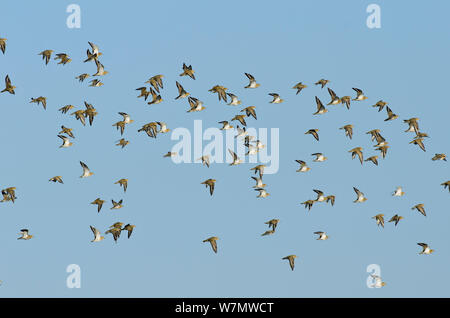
(405, 63)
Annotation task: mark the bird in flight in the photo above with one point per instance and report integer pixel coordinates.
(212, 240)
(291, 259)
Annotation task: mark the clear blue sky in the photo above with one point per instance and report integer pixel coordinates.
(405, 62)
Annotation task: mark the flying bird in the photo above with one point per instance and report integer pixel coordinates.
(123, 183)
(380, 219)
(346, 100)
(181, 92)
(82, 77)
(66, 142)
(380, 104)
(236, 159)
(67, 131)
(99, 202)
(8, 86)
(396, 218)
(46, 55)
(129, 228)
(100, 69)
(95, 83)
(188, 71)
(213, 242)
(122, 142)
(425, 249)
(156, 98)
(348, 130)
(259, 182)
(320, 108)
(391, 115)
(419, 142)
(234, 100)
(40, 100)
(359, 94)
(303, 166)
(211, 184)
(276, 98)
(357, 151)
(378, 281)
(63, 57)
(86, 171)
(272, 223)
(205, 160)
(66, 108)
(195, 104)
(252, 83)
(262, 193)
(420, 208)
(56, 179)
(322, 236)
(299, 86)
(3, 45)
(413, 125)
(398, 192)
(250, 111)
(308, 204)
(322, 82)
(319, 157)
(97, 235)
(24, 235)
(446, 185)
(291, 259)
(156, 82)
(360, 196)
(220, 90)
(314, 133)
(116, 205)
(335, 100)
(439, 156)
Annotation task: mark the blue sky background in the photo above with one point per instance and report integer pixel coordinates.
(405, 63)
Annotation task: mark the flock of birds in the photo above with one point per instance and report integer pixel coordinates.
(253, 145)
